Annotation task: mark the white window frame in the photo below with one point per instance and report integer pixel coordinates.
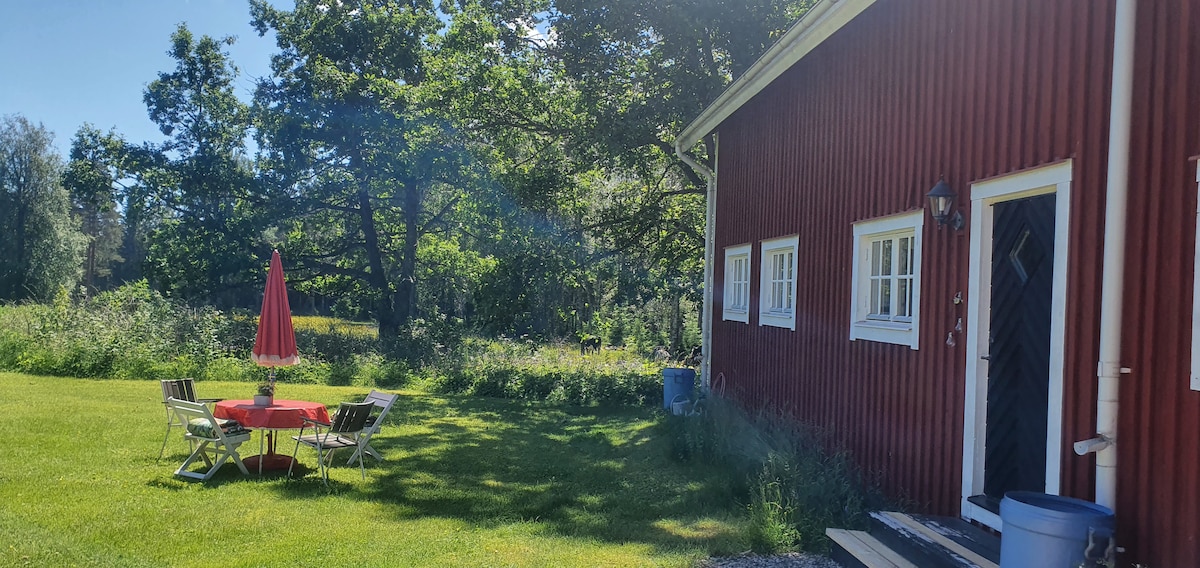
(736, 303)
(1195, 375)
(785, 314)
(900, 330)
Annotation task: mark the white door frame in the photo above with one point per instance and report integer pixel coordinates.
(1056, 179)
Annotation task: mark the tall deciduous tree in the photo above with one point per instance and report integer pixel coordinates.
(367, 169)
(91, 179)
(205, 246)
(39, 244)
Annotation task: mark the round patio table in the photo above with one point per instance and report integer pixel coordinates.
(280, 415)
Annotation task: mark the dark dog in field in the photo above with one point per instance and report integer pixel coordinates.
(589, 345)
(693, 359)
(660, 354)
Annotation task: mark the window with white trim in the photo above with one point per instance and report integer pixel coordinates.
(886, 279)
(737, 284)
(777, 287)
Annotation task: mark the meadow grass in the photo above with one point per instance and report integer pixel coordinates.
(323, 324)
(467, 482)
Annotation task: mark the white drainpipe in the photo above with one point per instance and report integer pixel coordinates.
(709, 231)
(1109, 369)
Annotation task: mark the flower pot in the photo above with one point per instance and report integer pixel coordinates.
(263, 400)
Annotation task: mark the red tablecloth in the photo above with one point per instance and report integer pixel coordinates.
(282, 415)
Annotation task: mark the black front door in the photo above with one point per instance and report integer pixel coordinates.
(1019, 351)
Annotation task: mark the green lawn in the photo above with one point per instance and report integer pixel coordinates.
(467, 482)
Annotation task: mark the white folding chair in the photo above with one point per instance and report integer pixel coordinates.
(342, 432)
(179, 389)
(383, 401)
(216, 436)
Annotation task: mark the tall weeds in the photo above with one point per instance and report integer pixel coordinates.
(792, 486)
(135, 333)
(519, 369)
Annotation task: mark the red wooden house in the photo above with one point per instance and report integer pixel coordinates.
(964, 362)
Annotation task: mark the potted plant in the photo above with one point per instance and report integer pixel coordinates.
(266, 394)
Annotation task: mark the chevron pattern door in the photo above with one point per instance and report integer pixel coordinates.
(1019, 350)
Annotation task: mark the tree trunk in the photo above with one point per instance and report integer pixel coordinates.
(406, 293)
(675, 333)
(384, 310)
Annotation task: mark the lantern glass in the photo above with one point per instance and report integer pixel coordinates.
(941, 201)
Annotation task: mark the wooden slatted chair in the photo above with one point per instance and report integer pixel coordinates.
(341, 432)
(218, 437)
(383, 402)
(179, 389)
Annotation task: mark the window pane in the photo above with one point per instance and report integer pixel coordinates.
(875, 258)
(874, 296)
(885, 297)
(902, 297)
(908, 300)
(904, 258)
(885, 258)
(791, 261)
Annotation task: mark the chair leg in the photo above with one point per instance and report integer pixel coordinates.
(237, 459)
(361, 468)
(290, 465)
(199, 452)
(364, 445)
(370, 451)
(322, 466)
(166, 437)
(216, 466)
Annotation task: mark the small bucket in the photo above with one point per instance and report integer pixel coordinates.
(680, 405)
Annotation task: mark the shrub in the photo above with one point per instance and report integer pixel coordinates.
(780, 469)
(558, 374)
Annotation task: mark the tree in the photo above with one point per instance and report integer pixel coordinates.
(39, 244)
(206, 245)
(91, 179)
(365, 168)
(597, 91)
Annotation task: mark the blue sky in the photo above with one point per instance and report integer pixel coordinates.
(66, 62)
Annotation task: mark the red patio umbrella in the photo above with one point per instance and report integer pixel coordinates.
(275, 344)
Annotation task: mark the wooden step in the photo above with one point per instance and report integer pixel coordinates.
(936, 541)
(857, 549)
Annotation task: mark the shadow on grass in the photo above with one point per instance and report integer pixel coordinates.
(600, 473)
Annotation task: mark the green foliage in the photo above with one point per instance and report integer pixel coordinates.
(134, 332)
(206, 245)
(90, 180)
(791, 485)
(558, 375)
(40, 244)
(131, 332)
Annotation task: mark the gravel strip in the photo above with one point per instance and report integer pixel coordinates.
(789, 560)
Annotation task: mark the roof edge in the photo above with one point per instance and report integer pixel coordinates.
(813, 28)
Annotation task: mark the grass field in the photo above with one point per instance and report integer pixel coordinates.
(467, 482)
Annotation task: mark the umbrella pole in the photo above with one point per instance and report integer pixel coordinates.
(271, 433)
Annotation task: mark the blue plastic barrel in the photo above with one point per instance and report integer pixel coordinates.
(1050, 530)
(677, 382)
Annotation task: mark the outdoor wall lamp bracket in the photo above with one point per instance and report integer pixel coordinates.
(941, 206)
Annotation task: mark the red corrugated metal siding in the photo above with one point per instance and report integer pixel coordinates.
(1158, 461)
(862, 128)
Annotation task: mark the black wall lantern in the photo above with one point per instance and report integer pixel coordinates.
(941, 206)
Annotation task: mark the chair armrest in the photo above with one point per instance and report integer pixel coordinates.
(316, 422)
(208, 400)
